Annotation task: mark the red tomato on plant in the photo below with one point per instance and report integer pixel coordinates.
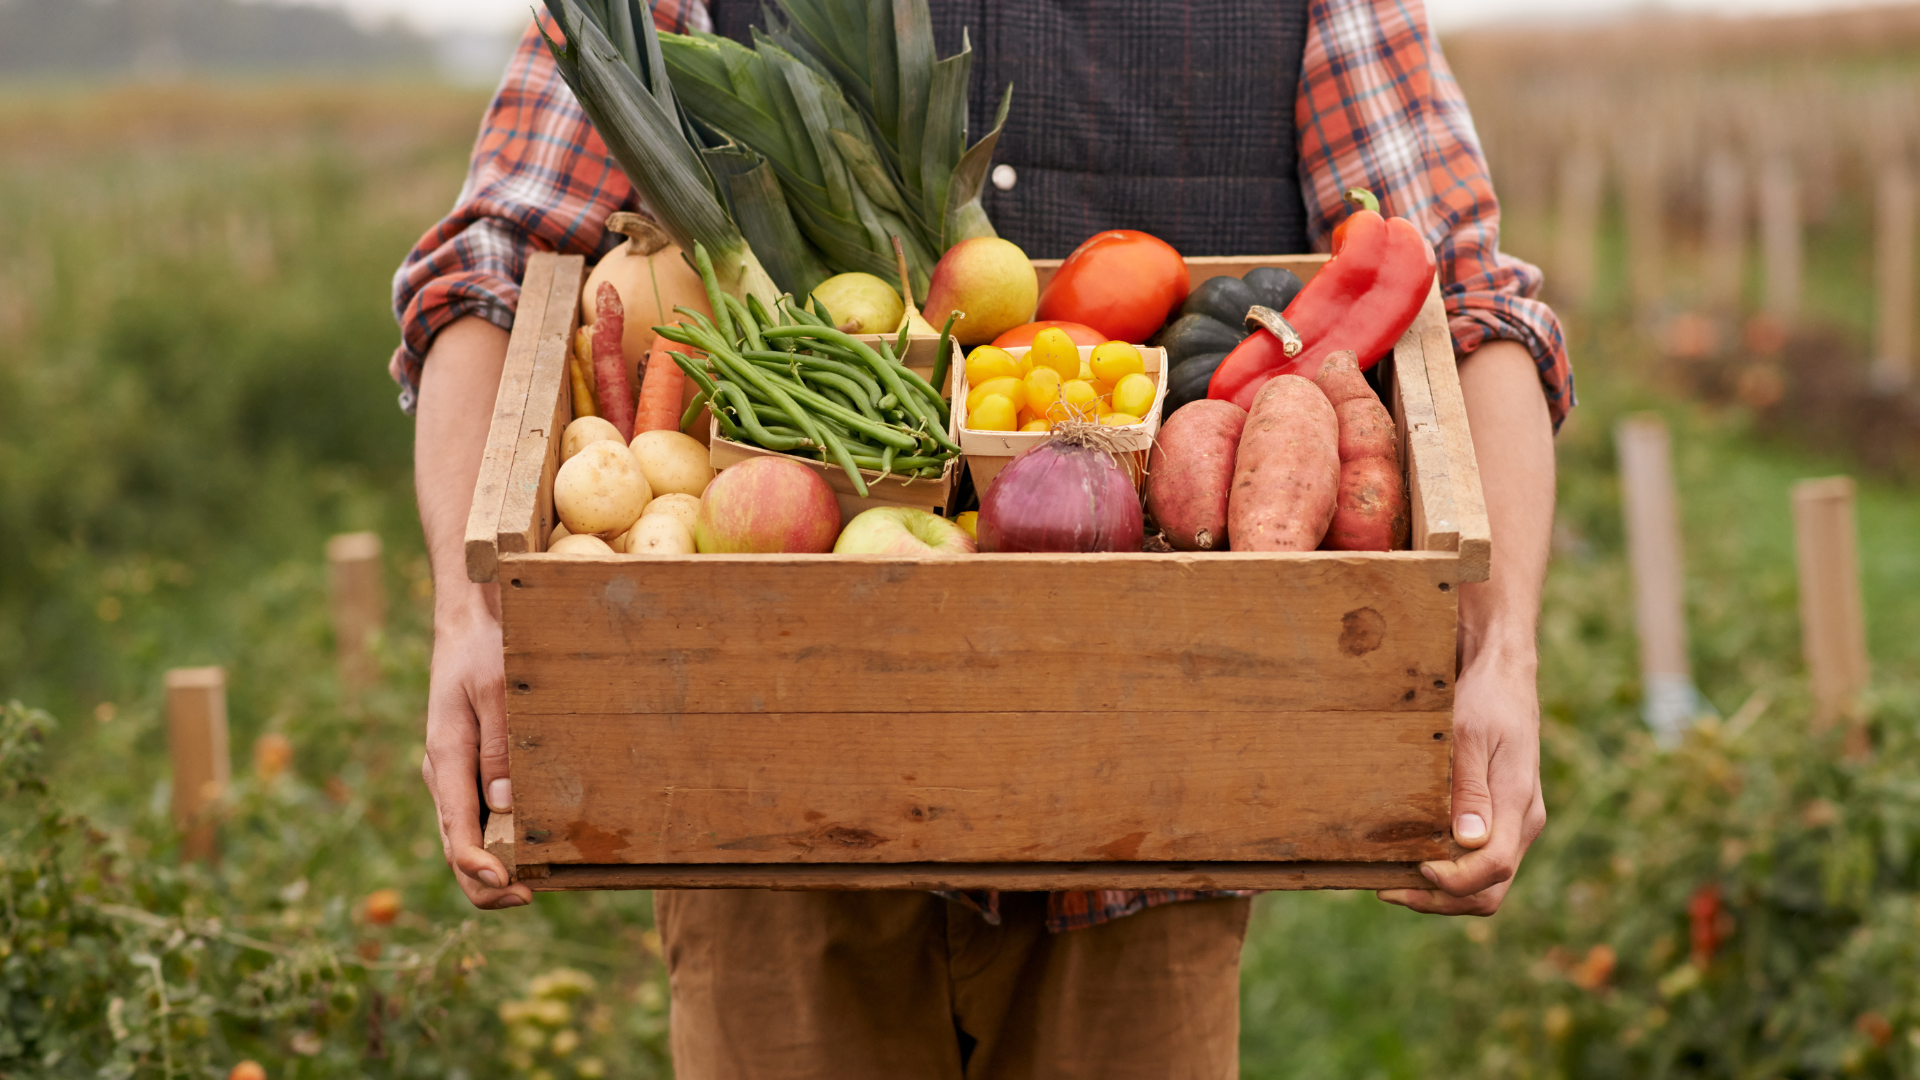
(1024, 335)
(1120, 282)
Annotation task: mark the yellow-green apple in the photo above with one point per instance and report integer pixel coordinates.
(902, 530)
(990, 281)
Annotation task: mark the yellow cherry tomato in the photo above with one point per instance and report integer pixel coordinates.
(1116, 360)
(1102, 387)
(1133, 394)
(1037, 425)
(1086, 371)
(1054, 349)
(1007, 387)
(994, 413)
(1078, 401)
(967, 521)
(1119, 419)
(988, 363)
(1043, 389)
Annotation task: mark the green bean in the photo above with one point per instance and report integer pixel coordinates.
(820, 309)
(900, 343)
(943, 357)
(715, 295)
(841, 455)
(889, 374)
(886, 458)
(692, 412)
(801, 316)
(855, 393)
(743, 372)
(750, 422)
(743, 319)
(760, 311)
(888, 404)
(902, 464)
(854, 371)
(696, 373)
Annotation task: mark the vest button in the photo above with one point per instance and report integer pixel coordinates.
(1004, 177)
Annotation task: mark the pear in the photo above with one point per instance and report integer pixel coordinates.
(867, 303)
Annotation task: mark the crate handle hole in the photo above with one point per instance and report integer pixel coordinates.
(516, 583)
(1444, 586)
(522, 687)
(1439, 736)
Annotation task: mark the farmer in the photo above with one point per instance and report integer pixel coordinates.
(1228, 127)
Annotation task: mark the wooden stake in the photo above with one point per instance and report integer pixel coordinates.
(1832, 627)
(1670, 701)
(197, 745)
(1581, 174)
(1893, 279)
(1780, 238)
(359, 607)
(1726, 239)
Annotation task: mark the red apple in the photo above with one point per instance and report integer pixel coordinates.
(902, 530)
(767, 505)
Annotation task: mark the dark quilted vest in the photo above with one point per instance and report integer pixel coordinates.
(1175, 118)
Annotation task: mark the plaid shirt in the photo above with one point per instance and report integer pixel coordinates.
(1378, 108)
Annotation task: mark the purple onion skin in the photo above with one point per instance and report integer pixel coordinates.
(1058, 497)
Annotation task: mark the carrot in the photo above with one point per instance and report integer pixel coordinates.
(613, 395)
(659, 407)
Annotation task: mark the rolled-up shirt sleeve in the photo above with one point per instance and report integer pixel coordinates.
(540, 179)
(1379, 109)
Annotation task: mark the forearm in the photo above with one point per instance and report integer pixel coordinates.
(457, 390)
(1513, 440)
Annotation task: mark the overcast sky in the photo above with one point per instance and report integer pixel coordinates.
(439, 15)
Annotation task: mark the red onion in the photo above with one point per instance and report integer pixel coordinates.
(1067, 494)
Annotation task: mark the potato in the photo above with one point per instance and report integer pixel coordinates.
(1371, 513)
(659, 534)
(558, 534)
(580, 544)
(583, 432)
(674, 463)
(1287, 474)
(601, 490)
(684, 507)
(1190, 473)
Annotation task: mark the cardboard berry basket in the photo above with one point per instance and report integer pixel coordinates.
(1214, 720)
(987, 452)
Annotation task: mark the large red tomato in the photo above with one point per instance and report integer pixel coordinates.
(1026, 332)
(1120, 282)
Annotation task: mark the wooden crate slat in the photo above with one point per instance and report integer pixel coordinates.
(1463, 467)
(961, 787)
(1028, 877)
(744, 633)
(526, 508)
(509, 409)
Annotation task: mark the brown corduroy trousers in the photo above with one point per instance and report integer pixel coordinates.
(907, 986)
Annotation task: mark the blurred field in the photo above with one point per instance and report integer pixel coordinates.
(193, 333)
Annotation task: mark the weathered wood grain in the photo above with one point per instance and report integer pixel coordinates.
(1026, 877)
(1463, 466)
(1167, 784)
(1037, 633)
(499, 840)
(509, 410)
(526, 507)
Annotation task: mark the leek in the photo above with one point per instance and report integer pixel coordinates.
(612, 62)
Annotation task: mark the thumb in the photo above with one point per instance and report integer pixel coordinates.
(1472, 791)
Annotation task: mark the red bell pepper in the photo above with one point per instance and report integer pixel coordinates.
(1363, 300)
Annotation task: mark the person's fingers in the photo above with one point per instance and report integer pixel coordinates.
(1486, 901)
(1515, 785)
(487, 697)
(451, 764)
(1473, 813)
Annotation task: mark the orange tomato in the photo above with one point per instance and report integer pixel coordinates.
(1121, 282)
(1023, 335)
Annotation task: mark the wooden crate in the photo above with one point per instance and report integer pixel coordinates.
(1219, 720)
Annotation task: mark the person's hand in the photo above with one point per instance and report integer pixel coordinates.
(467, 750)
(1497, 809)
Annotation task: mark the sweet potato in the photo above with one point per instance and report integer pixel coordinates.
(1190, 473)
(1372, 513)
(1287, 473)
